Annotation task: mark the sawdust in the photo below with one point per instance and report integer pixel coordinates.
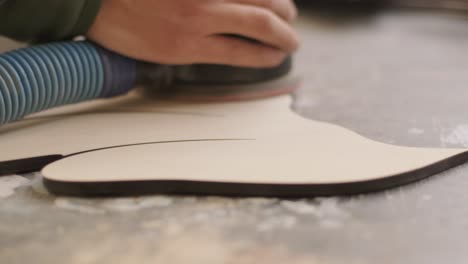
(8, 184)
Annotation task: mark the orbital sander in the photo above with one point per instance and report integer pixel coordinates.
(45, 76)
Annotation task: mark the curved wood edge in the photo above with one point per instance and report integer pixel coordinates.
(205, 188)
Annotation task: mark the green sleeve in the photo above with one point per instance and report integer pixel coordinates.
(46, 20)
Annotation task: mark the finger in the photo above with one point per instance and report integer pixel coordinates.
(218, 49)
(283, 8)
(256, 23)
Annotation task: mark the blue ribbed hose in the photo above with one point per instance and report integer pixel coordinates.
(45, 76)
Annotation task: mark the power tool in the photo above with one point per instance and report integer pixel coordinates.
(44, 76)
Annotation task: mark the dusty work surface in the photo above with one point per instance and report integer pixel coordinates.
(397, 77)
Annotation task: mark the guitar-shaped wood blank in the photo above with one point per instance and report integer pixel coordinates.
(255, 148)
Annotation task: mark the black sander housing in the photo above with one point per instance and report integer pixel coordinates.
(208, 82)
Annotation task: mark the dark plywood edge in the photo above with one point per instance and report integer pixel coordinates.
(181, 187)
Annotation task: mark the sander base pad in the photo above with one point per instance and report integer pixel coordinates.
(228, 92)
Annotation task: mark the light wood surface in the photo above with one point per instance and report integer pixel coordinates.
(275, 145)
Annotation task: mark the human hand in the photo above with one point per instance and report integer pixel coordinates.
(198, 31)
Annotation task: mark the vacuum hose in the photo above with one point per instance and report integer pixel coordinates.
(45, 76)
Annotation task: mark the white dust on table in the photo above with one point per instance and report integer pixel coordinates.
(274, 214)
(70, 205)
(329, 213)
(300, 207)
(37, 184)
(136, 204)
(277, 222)
(121, 205)
(8, 184)
(458, 136)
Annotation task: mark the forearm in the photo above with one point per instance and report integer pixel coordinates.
(46, 20)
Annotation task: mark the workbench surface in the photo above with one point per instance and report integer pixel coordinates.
(399, 77)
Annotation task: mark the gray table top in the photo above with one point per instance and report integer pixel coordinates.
(398, 77)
